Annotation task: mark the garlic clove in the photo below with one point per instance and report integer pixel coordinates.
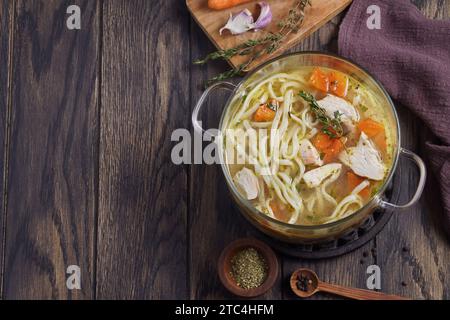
(265, 17)
(239, 23)
(243, 21)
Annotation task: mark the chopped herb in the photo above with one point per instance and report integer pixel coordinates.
(375, 191)
(249, 268)
(363, 108)
(330, 126)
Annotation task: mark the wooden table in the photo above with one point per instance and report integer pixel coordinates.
(85, 124)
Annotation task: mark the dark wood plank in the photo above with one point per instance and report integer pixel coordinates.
(51, 178)
(143, 195)
(6, 38)
(213, 220)
(413, 253)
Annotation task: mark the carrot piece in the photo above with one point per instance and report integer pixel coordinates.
(224, 4)
(322, 141)
(375, 131)
(328, 146)
(370, 127)
(320, 80)
(338, 83)
(380, 141)
(264, 114)
(353, 181)
(333, 150)
(280, 210)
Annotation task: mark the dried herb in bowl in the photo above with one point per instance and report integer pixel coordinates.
(249, 268)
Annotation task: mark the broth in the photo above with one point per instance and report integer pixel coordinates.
(309, 145)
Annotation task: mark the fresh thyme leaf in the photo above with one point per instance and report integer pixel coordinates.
(337, 115)
(330, 126)
(255, 48)
(244, 48)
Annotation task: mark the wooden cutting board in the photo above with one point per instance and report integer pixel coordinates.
(211, 21)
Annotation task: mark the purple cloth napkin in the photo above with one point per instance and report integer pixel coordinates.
(410, 55)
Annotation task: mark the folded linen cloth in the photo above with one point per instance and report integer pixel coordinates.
(410, 55)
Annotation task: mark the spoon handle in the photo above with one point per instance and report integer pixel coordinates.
(358, 294)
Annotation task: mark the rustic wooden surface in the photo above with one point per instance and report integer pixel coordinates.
(51, 175)
(86, 178)
(316, 16)
(6, 13)
(142, 216)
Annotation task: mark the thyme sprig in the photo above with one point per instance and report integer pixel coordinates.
(242, 49)
(256, 48)
(330, 126)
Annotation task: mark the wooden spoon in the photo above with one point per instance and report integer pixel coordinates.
(305, 283)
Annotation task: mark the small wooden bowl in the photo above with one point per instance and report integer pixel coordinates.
(224, 267)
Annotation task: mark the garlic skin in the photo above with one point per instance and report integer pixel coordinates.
(243, 21)
(240, 23)
(265, 17)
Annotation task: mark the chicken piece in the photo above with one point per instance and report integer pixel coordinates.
(247, 182)
(309, 153)
(315, 177)
(364, 159)
(332, 104)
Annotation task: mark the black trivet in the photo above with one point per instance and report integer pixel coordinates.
(348, 242)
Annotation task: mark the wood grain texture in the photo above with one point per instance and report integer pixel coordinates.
(320, 12)
(72, 150)
(51, 178)
(413, 252)
(143, 195)
(6, 38)
(214, 221)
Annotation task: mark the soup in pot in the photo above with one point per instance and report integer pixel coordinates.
(309, 145)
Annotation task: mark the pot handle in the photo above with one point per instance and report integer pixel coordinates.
(219, 85)
(423, 175)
